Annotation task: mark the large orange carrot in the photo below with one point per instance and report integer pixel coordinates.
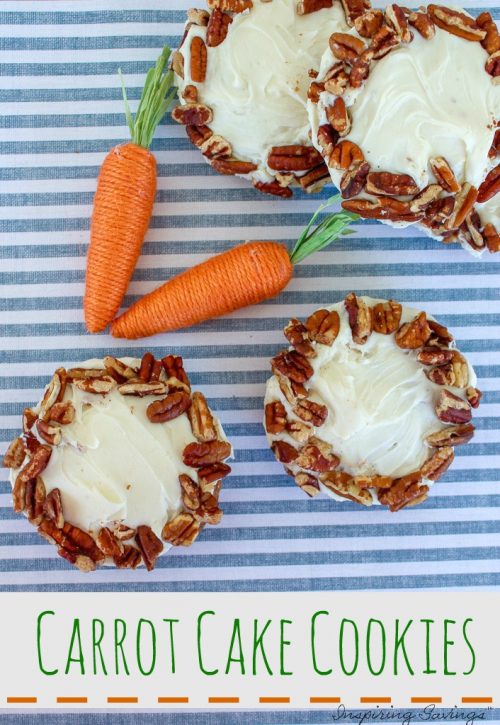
(123, 202)
(245, 275)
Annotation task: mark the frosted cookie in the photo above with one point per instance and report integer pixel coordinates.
(119, 461)
(242, 72)
(405, 115)
(368, 402)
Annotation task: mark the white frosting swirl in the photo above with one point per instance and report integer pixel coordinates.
(380, 402)
(257, 78)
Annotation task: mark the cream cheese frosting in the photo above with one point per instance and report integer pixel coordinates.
(257, 78)
(380, 402)
(113, 464)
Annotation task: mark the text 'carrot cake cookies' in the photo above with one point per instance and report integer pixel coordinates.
(119, 461)
(243, 75)
(368, 402)
(406, 120)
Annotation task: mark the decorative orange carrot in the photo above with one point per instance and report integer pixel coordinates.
(245, 275)
(123, 202)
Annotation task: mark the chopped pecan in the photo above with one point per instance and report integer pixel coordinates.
(201, 418)
(414, 334)
(275, 414)
(491, 238)
(149, 545)
(438, 212)
(490, 186)
(140, 389)
(492, 65)
(198, 59)
(197, 135)
(52, 508)
(290, 389)
(198, 17)
(314, 90)
(218, 27)
(71, 539)
(82, 373)
(109, 544)
(174, 405)
(157, 372)
(146, 367)
(174, 367)
(30, 418)
(425, 198)
(464, 202)
(360, 318)
(404, 492)
(454, 373)
(293, 158)
(190, 93)
(231, 6)
(383, 42)
(470, 231)
(208, 511)
(323, 326)
(452, 435)
(197, 455)
(113, 365)
(474, 396)
(15, 454)
(382, 182)
(49, 433)
(452, 409)
(62, 413)
(360, 69)
(130, 559)
(318, 456)
(191, 492)
(314, 179)
(346, 155)
(35, 466)
(232, 167)
(297, 335)
(344, 485)
(192, 114)
(31, 443)
(444, 174)
(308, 483)
(338, 117)
(440, 336)
(372, 481)
(354, 8)
(82, 562)
(216, 147)
(311, 412)
(383, 207)
(369, 23)
(353, 181)
(304, 7)
(336, 79)
(34, 502)
(456, 23)
(423, 23)
(292, 365)
(178, 63)
(208, 475)
(284, 452)
(298, 431)
(345, 46)
(182, 530)
(386, 317)
(274, 188)
(435, 355)
(396, 19)
(491, 41)
(54, 392)
(327, 138)
(97, 386)
(495, 146)
(438, 463)
(122, 532)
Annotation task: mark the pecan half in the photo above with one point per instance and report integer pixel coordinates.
(49, 433)
(130, 559)
(122, 532)
(232, 167)
(336, 79)
(314, 179)
(290, 389)
(423, 23)
(456, 23)
(318, 456)
(464, 202)
(113, 365)
(491, 238)
(52, 508)
(372, 481)
(284, 452)
(369, 23)
(435, 355)
(35, 466)
(191, 492)
(217, 28)
(292, 365)
(275, 415)
(311, 412)
(54, 392)
(396, 19)
(474, 396)
(293, 158)
(354, 8)
(157, 372)
(15, 454)
(198, 17)
(383, 207)
(30, 418)
(360, 69)
(190, 93)
(353, 181)
(62, 413)
(97, 386)
(323, 326)
(470, 231)
(441, 336)
(178, 63)
(438, 463)
(83, 373)
(404, 491)
(382, 182)
(232, 6)
(492, 65)
(491, 41)
(298, 336)
(308, 483)
(383, 42)
(149, 545)
(425, 198)
(182, 530)
(344, 485)
(414, 334)
(201, 418)
(299, 431)
(452, 409)
(109, 544)
(35, 497)
(437, 214)
(274, 188)
(146, 366)
(490, 186)
(304, 7)
(197, 135)
(174, 405)
(346, 155)
(141, 390)
(346, 47)
(386, 317)
(197, 455)
(174, 368)
(454, 373)
(71, 539)
(81, 561)
(198, 59)
(216, 147)
(338, 117)
(192, 114)
(453, 435)
(444, 174)
(212, 473)
(360, 318)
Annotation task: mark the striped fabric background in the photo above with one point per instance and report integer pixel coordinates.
(60, 111)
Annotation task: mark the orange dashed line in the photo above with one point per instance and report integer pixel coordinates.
(270, 700)
(71, 700)
(172, 700)
(428, 700)
(122, 700)
(375, 700)
(318, 700)
(21, 700)
(223, 700)
(472, 700)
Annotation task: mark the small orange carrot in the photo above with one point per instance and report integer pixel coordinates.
(245, 275)
(123, 202)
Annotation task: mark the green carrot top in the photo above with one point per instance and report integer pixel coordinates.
(331, 228)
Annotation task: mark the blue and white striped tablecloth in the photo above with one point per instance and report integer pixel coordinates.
(60, 111)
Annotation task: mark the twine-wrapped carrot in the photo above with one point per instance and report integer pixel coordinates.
(245, 275)
(123, 202)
